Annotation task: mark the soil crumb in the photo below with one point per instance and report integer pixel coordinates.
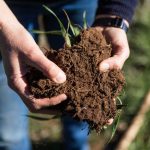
(90, 93)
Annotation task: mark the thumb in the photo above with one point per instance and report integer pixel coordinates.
(42, 63)
(115, 62)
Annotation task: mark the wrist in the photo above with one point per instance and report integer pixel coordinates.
(112, 21)
(112, 16)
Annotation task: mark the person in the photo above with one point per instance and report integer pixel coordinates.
(19, 49)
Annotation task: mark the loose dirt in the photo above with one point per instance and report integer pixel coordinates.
(90, 93)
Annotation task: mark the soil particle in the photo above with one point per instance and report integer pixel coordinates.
(90, 93)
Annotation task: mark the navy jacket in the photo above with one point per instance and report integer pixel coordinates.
(122, 8)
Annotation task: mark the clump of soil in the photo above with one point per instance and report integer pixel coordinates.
(90, 93)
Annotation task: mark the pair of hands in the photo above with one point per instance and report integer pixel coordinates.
(19, 49)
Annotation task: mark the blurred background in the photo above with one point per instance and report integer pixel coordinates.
(133, 131)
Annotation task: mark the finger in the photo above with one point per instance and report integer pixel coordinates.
(114, 62)
(41, 105)
(38, 105)
(46, 102)
(36, 58)
(111, 63)
(34, 105)
(110, 121)
(99, 29)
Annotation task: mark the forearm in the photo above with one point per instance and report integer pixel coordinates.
(9, 27)
(7, 18)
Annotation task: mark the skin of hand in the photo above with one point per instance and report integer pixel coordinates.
(120, 50)
(19, 50)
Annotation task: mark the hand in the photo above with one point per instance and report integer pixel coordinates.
(120, 51)
(120, 48)
(18, 50)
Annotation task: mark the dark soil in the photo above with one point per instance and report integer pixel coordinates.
(90, 93)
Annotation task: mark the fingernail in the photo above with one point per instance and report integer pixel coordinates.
(61, 77)
(110, 121)
(104, 67)
(64, 97)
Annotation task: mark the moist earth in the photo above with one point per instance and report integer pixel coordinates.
(91, 93)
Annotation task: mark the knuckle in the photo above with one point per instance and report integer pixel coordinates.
(52, 71)
(37, 107)
(32, 52)
(34, 108)
(117, 64)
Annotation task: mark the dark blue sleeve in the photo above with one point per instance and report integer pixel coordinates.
(122, 8)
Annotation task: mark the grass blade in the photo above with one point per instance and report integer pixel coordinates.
(115, 127)
(63, 30)
(47, 32)
(84, 20)
(69, 22)
(120, 106)
(119, 99)
(77, 30)
(74, 29)
(60, 23)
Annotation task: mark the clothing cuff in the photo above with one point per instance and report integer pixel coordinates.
(123, 8)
